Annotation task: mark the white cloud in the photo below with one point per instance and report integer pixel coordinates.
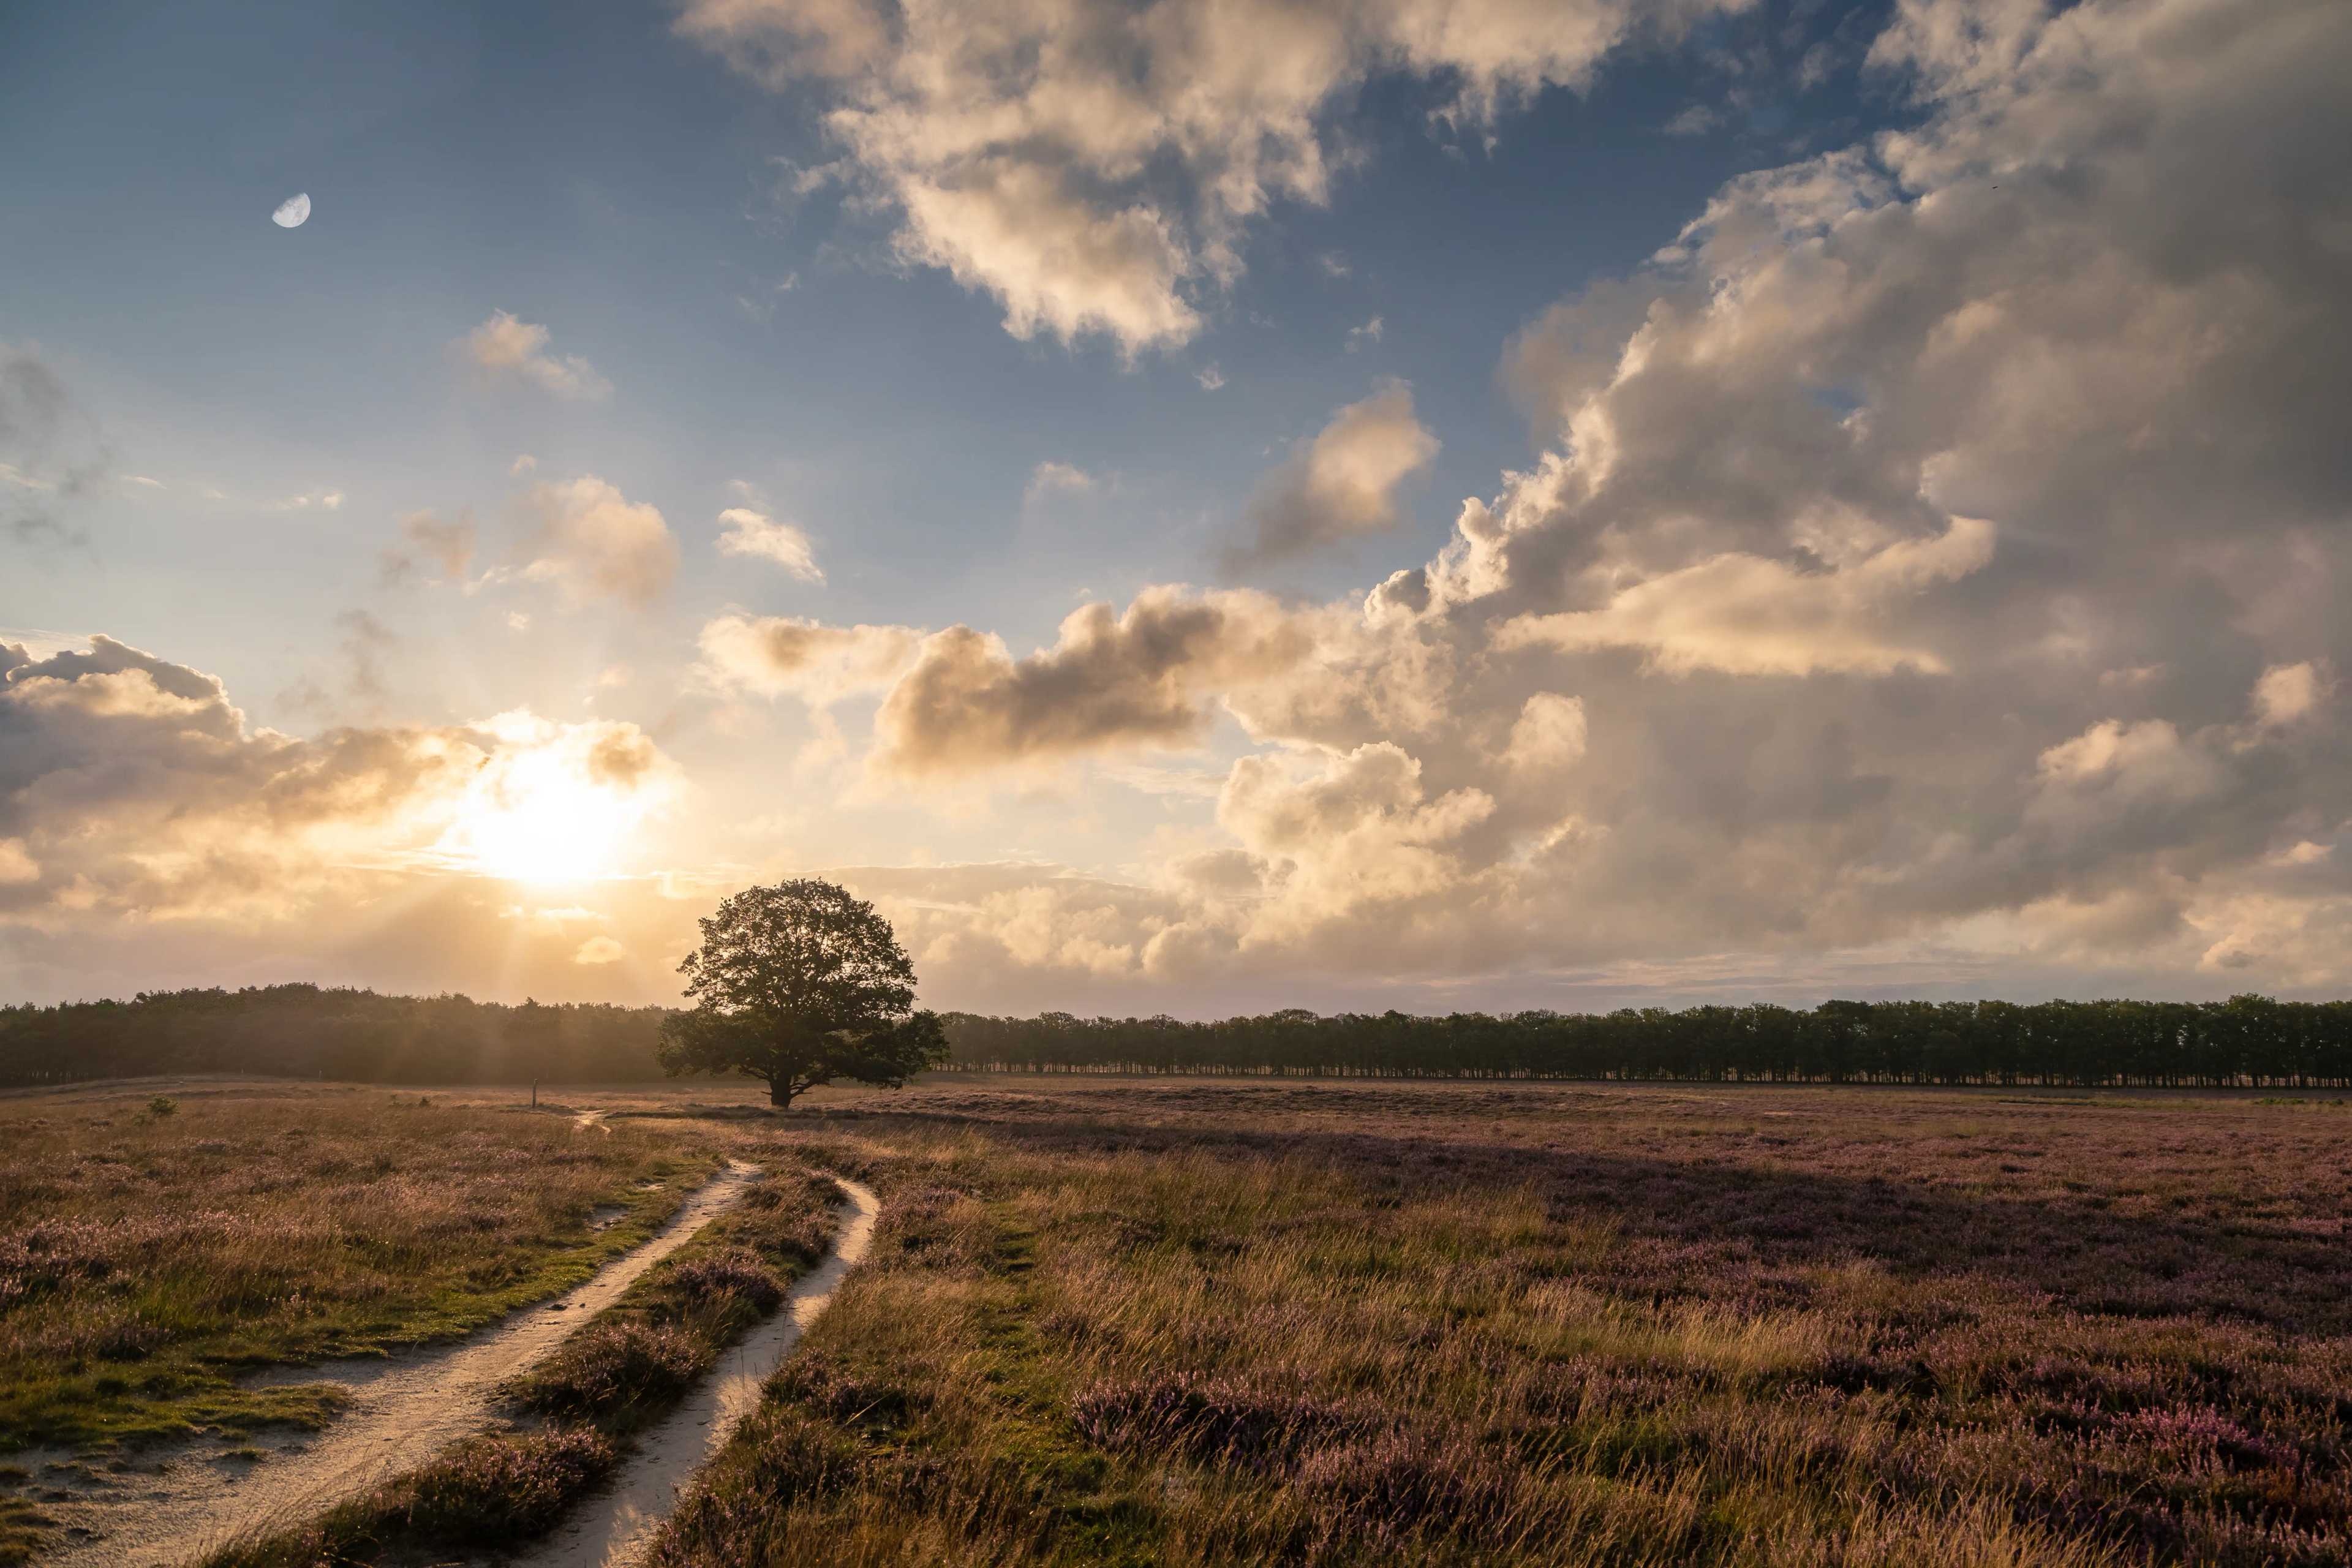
(325, 501)
(1340, 484)
(2287, 692)
(1935, 561)
(595, 543)
(1049, 477)
(597, 951)
(502, 344)
(132, 790)
(761, 537)
(1748, 616)
(447, 545)
(1371, 331)
(1109, 679)
(1095, 166)
(1548, 736)
(778, 656)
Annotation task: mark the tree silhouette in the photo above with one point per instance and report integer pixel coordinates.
(800, 984)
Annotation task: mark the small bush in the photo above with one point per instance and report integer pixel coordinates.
(734, 1272)
(609, 1367)
(496, 1491)
(162, 1105)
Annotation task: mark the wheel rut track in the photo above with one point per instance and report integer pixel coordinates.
(403, 1409)
(615, 1528)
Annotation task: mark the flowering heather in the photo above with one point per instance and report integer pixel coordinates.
(616, 1364)
(146, 1260)
(595, 1394)
(1193, 1322)
(491, 1491)
(733, 1272)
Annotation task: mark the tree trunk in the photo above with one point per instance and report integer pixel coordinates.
(779, 1094)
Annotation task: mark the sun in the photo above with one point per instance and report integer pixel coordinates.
(538, 819)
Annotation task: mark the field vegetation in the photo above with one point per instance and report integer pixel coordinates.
(573, 1415)
(1179, 1320)
(1199, 1322)
(152, 1247)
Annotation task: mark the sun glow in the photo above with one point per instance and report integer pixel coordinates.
(557, 804)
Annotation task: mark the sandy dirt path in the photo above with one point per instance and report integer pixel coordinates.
(615, 1528)
(404, 1410)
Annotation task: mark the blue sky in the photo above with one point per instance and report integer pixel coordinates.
(584, 167)
(257, 414)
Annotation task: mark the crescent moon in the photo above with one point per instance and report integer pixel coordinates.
(292, 211)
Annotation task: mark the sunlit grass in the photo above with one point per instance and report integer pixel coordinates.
(146, 1260)
(1192, 1326)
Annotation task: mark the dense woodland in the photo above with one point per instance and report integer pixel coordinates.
(305, 1031)
(2247, 1041)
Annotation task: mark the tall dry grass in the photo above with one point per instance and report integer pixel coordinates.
(1235, 1324)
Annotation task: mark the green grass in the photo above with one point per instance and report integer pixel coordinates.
(146, 1261)
(23, 1527)
(625, 1369)
(1193, 1324)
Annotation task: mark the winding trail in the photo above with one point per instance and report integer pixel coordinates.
(615, 1528)
(403, 1409)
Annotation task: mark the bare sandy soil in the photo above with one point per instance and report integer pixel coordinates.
(616, 1528)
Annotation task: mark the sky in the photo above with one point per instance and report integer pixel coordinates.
(1190, 506)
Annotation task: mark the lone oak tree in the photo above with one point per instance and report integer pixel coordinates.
(799, 984)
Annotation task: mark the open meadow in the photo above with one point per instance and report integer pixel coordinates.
(1197, 1321)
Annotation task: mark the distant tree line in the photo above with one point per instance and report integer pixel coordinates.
(2248, 1041)
(307, 1031)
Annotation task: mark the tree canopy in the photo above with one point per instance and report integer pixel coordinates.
(800, 984)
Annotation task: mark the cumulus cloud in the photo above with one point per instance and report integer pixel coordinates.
(2287, 692)
(761, 537)
(599, 951)
(133, 789)
(1347, 835)
(1749, 615)
(1138, 678)
(1935, 559)
(445, 545)
(595, 543)
(1933, 565)
(1029, 150)
(1547, 736)
(776, 655)
(503, 344)
(1340, 484)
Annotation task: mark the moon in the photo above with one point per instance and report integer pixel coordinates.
(292, 211)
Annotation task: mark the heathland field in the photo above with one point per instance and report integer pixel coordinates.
(1193, 1321)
